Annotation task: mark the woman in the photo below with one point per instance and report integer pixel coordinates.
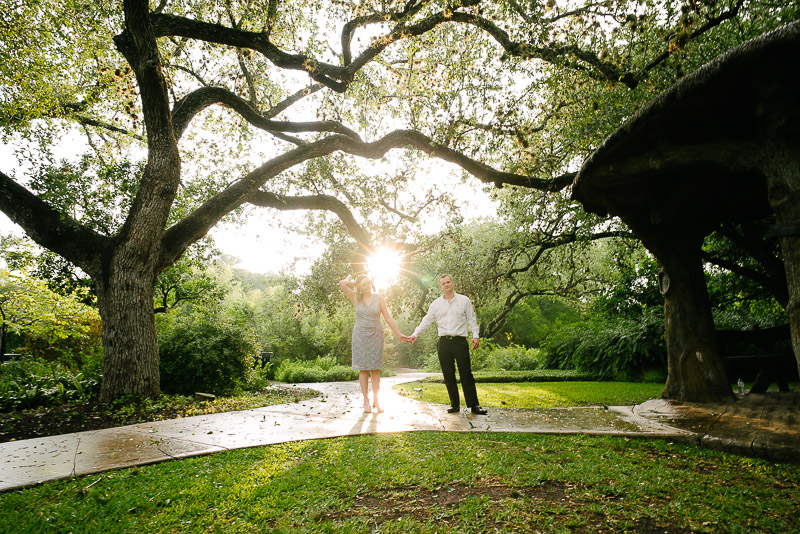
(367, 343)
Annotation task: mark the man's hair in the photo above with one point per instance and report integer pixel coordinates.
(445, 276)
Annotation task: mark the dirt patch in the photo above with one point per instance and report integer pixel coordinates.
(556, 499)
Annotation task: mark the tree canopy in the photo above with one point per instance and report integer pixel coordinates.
(276, 104)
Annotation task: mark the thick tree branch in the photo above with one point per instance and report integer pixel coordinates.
(193, 227)
(196, 101)
(149, 212)
(585, 60)
(410, 138)
(314, 202)
(50, 228)
(777, 289)
(332, 76)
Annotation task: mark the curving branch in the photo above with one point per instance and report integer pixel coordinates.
(88, 121)
(516, 295)
(557, 55)
(332, 76)
(753, 242)
(492, 327)
(177, 238)
(709, 25)
(335, 77)
(281, 106)
(581, 60)
(414, 139)
(411, 8)
(558, 241)
(196, 101)
(314, 202)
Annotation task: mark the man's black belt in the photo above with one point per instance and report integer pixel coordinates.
(453, 337)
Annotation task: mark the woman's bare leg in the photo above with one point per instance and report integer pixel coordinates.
(363, 378)
(376, 386)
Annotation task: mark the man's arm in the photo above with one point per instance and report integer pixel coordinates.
(428, 320)
(472, 321)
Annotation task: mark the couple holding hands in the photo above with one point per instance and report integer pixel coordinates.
(453, 314)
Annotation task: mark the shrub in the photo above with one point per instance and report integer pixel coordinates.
(541, 375)
(323, 369)
(75, 347)
(203, 353)
(298, 372)
(491, 356)
(30, 383)
(618, 350)
(340, 373)
(513, 358)
(431, 363)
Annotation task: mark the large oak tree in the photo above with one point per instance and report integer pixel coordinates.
(250, 102)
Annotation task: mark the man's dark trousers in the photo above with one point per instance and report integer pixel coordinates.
(454, 350)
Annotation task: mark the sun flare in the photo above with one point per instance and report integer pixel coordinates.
(383, 267)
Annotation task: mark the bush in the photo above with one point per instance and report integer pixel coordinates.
(298, 372)
(323, 369)
(512, 358)
(431, 363)
(541, 375)
(612, 350)
(340, 373)
(30, 383)
(203, 353)
(491, 356)
(73, 348)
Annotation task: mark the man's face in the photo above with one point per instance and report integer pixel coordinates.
(446, 284)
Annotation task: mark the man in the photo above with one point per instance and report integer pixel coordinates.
(453, 313)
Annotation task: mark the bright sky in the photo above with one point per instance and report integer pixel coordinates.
(263, 248)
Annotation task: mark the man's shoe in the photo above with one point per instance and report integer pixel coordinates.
(453, 409)
(477, 410)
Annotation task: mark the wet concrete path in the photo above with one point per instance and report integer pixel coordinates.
(759, 425)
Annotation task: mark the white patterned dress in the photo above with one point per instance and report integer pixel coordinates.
(367, 343)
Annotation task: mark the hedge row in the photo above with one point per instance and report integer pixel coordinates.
(540, 375)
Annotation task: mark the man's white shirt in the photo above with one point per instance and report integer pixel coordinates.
(452, 318)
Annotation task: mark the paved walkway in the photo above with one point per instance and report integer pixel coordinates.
(760, 425)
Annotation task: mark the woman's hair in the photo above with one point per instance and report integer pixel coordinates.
(359, 293)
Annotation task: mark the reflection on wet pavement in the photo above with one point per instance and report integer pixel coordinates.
(758, 425)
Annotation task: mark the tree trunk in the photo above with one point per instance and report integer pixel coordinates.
(783, 178)
(130, 365)
(695, 370)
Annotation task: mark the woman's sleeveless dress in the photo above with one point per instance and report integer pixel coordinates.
(367, 341)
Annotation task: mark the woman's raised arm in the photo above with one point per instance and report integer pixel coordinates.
(348, 287)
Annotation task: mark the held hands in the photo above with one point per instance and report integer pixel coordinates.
(408, 339)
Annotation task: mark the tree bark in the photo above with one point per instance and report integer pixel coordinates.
(782, 167)
(130, 365)
(694, 368)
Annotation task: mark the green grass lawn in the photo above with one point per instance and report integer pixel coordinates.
(429, 482)
(426, 482)
(540, 394)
